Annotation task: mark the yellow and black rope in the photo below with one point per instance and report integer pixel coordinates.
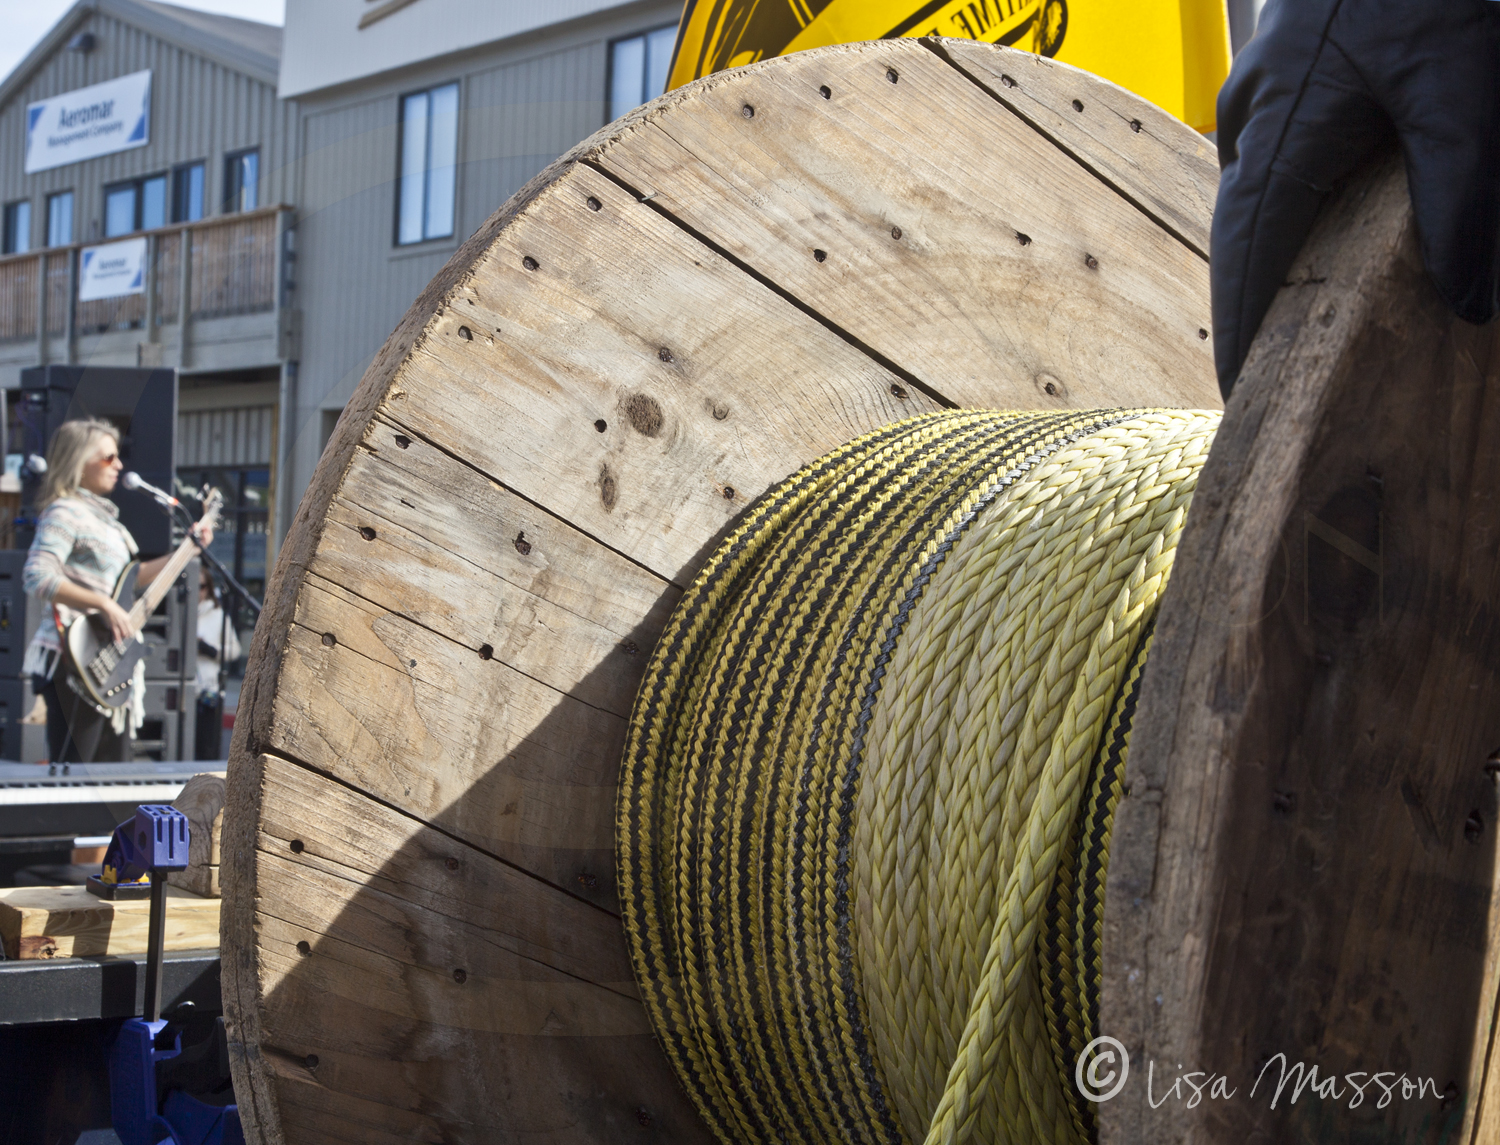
(859, 755)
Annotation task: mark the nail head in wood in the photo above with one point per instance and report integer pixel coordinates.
(297, 846)
(820, 255)
(402, 441)
(593, 203)
(825, 92)
(890, 74)
(1473, 826)
(747, 111)
(366, 532)
(1091, 262)
(530, 263)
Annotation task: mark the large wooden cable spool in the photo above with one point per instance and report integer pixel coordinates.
(1305, 865)
(422, 935)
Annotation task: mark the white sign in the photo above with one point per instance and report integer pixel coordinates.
(111, 270)
(99, 120)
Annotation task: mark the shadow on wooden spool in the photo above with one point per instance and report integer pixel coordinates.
(421, 935)
(1305, 861)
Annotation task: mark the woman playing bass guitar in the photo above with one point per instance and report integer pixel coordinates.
(74, 565)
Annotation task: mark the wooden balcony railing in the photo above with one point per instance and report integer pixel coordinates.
(230, 269)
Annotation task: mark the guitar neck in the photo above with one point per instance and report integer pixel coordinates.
(162, 582)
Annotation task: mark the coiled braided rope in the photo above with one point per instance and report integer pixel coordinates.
(866, 796)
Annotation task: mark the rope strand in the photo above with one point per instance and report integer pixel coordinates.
(871, 771)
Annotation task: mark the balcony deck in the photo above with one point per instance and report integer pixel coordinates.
(213, 299)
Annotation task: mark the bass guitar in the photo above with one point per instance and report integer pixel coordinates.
(104, 666)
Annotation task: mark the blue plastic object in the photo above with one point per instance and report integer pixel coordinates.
(151, 844)
(181, 1119)
(155, 840)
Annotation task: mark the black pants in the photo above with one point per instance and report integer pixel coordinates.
(210, 728)
(76, 732)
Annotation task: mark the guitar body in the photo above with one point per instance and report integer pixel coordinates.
(102, 665)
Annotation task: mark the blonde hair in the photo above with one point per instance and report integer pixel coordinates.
(71, 448)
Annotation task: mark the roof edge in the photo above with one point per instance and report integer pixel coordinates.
(256, 65)
(45, 47)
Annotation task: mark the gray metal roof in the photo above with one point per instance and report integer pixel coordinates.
(244, 46)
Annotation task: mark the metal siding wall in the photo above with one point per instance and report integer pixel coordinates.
(225, 437)
(199, 110)
(354, 284)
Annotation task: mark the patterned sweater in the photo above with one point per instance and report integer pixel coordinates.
(78, 538)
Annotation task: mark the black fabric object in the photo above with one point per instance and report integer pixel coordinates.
(1323, 86)
(76, 731)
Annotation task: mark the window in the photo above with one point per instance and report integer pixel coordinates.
(60, 218)
(429, 149)
(140, 205)
(240, 539)
(638, 69)
(187, 193)
(241, 181)
(17, 227)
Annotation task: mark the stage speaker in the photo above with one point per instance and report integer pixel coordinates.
(142, 404)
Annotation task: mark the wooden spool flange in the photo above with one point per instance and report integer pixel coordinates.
(421, 937)
(1305, 861)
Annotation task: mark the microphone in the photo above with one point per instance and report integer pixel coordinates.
(36, 465)
(135, 481)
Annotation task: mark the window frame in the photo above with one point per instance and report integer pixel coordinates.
(234, 185)
(72, 197)
(9, 231)
(644, 35)
(399, 246)
(137, 186)
(174, 213)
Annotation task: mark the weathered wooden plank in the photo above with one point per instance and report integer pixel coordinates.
(421, 534)
(399, 997)
(69, 922)
(709, 386)
(202, 801)
(1000, 284)
(473, 746)
(1152, 158)
(1305, 862)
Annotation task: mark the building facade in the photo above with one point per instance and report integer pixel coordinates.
(292, 195)
(417, 120)
(164, 243)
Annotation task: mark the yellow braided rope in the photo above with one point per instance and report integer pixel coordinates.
(860, 759)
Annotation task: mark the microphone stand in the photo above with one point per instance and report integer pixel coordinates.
(213, 562)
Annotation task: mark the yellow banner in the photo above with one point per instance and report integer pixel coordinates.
(1173, 52)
